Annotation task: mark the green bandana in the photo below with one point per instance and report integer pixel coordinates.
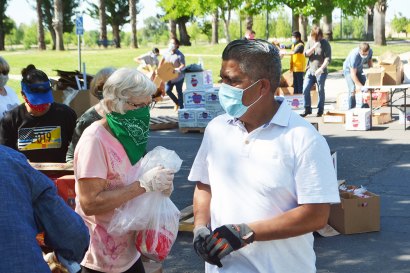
(131, 129)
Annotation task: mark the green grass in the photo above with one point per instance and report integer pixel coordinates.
(96, 59)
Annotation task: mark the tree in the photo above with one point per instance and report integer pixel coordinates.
(58, 24)
(133, 22)
(117, 14)
(103, 22)
(40, 27)
(6, 24)
(399, 24)
(369, 23)
(380, 8)
(215, 17)
(154, 29)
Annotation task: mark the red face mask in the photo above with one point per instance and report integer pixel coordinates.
(39, 108)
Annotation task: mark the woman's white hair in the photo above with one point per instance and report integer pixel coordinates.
(122, 85)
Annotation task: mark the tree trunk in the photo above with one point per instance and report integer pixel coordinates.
(103, 23)
(327, 27)
(2, 35)
(379, 21)
(249, 22)
(133, 22)
(172, 29)
(116, 35)
(303, 21)
(40, 27)
(226, 20)
(369, 24)
(58, 24)
(215, 17)
(183, 33)
(295, 21)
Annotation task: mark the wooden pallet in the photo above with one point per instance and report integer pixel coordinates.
(186, 220)
(163, 123)
(185, 130)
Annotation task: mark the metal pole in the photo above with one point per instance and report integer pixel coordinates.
(79, 53)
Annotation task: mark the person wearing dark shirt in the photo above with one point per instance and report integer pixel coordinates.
(39, 128)
(30, 205)
(297, 61)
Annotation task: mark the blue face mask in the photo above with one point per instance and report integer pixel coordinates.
(230, 99)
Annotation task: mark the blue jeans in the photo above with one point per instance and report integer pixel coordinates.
(310, 80)
(297, 82)
(351, 86)
(178, 85)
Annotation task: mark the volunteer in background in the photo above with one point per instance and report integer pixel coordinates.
(177, 59)
(39, 128)
(250, 34)
(353, 70)
(264, 175)
(150, 58)
(297, 61)
(30, 205)
(8, 98)
(107, 170)
(319, 52)
(94, 113)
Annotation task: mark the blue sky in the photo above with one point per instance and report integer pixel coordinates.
(22, 12)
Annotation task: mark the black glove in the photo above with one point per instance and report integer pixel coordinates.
(228, 238)
(200, 234)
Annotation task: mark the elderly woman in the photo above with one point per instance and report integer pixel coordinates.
(107, 170)
(94, 113)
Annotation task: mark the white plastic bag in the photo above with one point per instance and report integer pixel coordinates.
(153, 215)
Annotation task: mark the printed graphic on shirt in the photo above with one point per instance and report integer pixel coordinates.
(47, 137)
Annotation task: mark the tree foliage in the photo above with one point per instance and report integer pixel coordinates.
(399, 23)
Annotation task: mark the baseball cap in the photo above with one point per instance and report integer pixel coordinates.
(38, 93)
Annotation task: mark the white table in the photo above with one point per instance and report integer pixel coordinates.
(393, 89)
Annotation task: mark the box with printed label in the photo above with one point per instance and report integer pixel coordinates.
(203, 118)
(380, 118)
(295, 101)
(358, 119)
(194, 99)
(66, 189)
(355, 213)
(198, 80)
(212, 100)
(187, 117)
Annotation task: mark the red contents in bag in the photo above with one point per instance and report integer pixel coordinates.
(146, 243)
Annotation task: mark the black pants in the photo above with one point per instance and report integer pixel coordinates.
(138, 267)
(298, 82)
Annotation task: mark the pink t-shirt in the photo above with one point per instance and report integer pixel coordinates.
(99, 154)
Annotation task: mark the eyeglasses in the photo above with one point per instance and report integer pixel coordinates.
(139, 105)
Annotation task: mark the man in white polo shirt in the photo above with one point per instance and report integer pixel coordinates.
(264, 175)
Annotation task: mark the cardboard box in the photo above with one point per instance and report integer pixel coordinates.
(403, 116)
(406, 73)
(198, 80)
(392, 68)
(374, 76)
(167, 72)
(284, 91)
(66, 189)
(358, 119)
(212, 100)
(333, 117)
(379, 98)
(187, 117)
(203, 118)
(380, 118)
(355, 214)
(79, 101)
(342, 102)
(194, 99)
(286, 80)
(296, 101)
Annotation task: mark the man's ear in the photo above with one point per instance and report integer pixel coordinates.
(265, 87)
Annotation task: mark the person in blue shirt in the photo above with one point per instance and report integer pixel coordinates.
(30, 205)
(353, 70)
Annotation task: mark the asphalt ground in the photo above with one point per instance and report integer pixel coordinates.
(378, 159)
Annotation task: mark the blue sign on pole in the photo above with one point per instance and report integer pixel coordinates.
(79, 29)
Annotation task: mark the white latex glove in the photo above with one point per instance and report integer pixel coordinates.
(158, 179)
(315, 45)
(363, 89)
(318, 72)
